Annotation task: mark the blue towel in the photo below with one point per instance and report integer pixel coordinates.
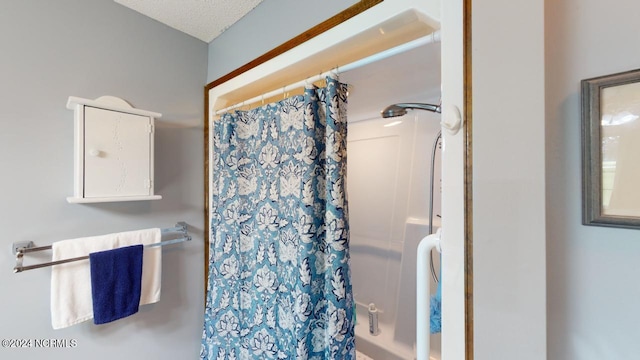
(436, 308)
(116, 279)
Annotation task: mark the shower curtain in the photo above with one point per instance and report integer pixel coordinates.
(279, 277)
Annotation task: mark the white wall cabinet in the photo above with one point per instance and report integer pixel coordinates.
(113, 151)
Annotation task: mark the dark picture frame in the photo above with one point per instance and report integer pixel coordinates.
(610, 150)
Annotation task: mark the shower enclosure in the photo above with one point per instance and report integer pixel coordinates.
(388, 190)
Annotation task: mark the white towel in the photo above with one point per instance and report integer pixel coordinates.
(71, 282)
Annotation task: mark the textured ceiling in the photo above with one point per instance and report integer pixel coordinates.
(203, 19)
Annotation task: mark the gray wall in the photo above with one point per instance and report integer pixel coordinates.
(270, 24)
(592, 284)
(89, 48)
(509, 259)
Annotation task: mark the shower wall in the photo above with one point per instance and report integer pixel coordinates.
(388, 192)
(388, 189)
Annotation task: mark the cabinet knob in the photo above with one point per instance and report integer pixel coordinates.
(94, 152)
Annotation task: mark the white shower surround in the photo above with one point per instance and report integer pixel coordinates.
(388, 177)
(388, 188)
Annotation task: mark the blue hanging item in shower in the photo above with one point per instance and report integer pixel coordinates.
(435, 315)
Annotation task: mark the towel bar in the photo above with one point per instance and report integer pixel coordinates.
(27, 247)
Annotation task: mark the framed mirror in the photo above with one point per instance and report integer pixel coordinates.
(610, 150)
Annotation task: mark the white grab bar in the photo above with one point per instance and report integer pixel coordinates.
(423, 296)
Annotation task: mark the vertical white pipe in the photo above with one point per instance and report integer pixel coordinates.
(423, 296)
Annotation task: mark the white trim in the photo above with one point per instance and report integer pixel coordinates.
(453, 187)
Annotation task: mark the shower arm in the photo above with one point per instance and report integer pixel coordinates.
(421, 106)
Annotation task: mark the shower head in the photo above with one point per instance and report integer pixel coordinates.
(401, 109)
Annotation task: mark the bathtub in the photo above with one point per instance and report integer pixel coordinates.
(383, 346)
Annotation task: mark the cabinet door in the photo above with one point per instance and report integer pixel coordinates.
(116, 153)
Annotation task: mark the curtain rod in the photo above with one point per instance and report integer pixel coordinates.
(431, 38)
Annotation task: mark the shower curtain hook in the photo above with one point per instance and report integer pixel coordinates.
(336, 73)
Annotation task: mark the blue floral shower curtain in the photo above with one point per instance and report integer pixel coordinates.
(279, 278)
